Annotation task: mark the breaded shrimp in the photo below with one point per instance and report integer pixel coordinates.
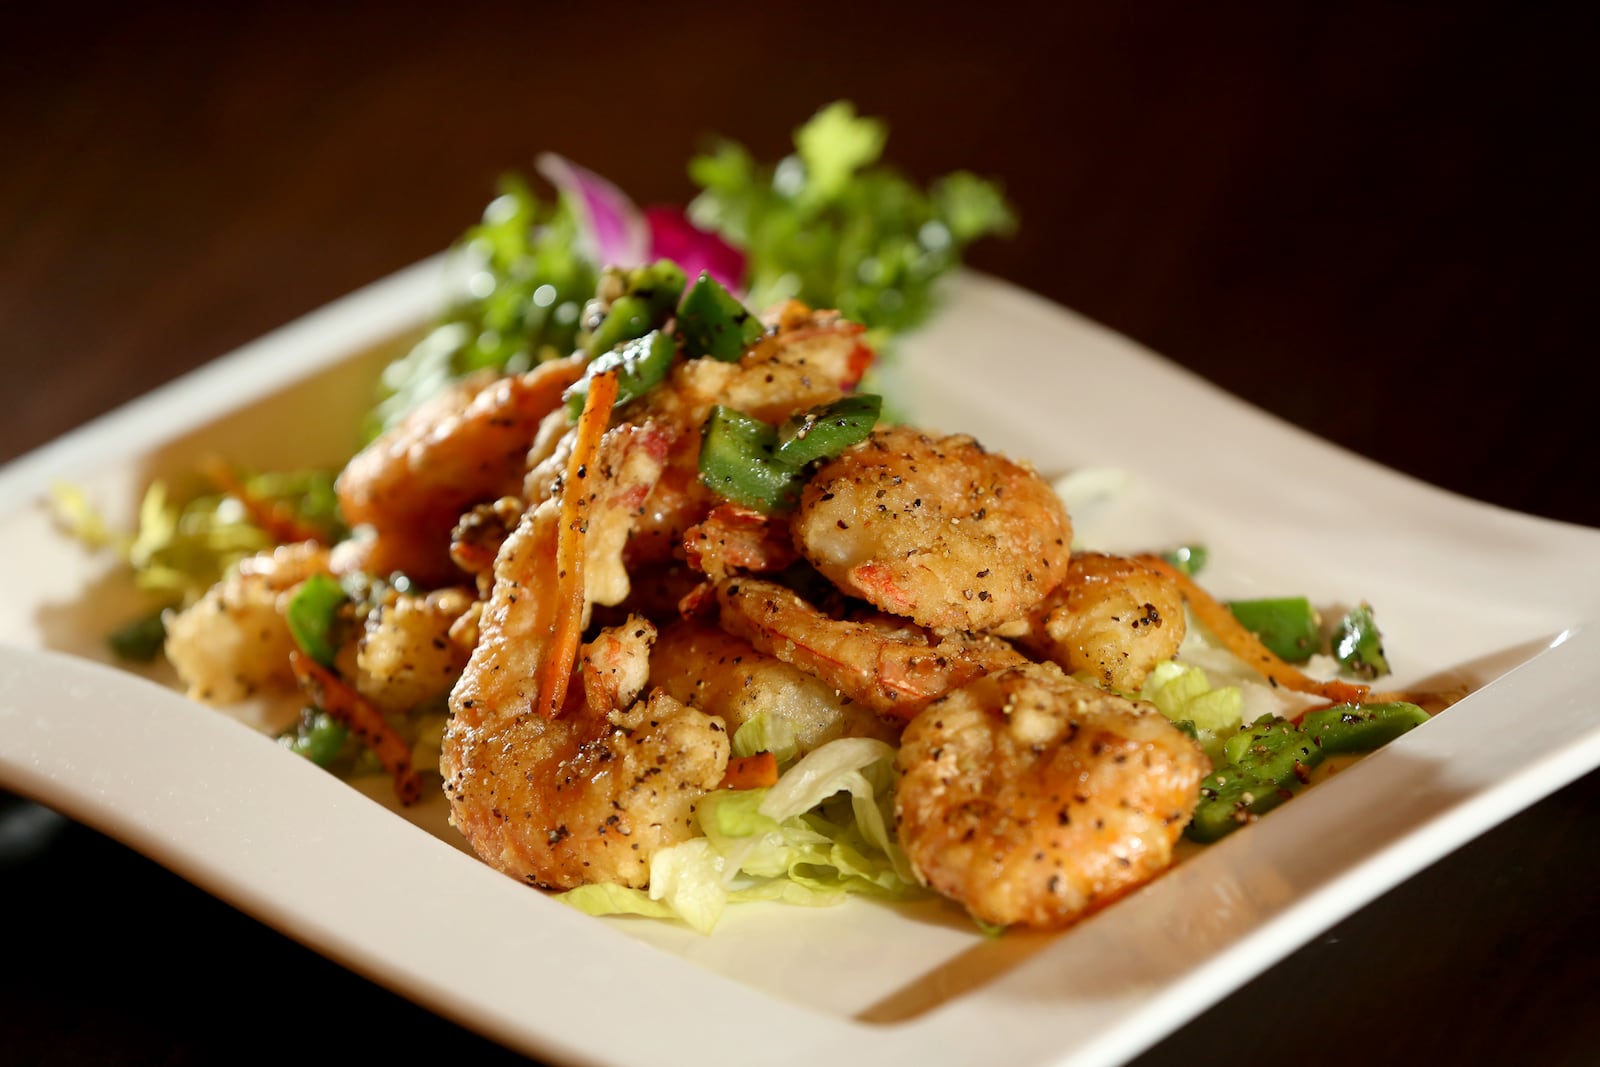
(406, 655)
(1113, 616)
(936, 529)
(701, 665)
(462, 447)
(1033, 799)
(887, 664)
(234, 642)
(589, 796)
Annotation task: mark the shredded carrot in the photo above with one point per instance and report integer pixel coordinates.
(555, 673)
(751, 772)
(336, 697)
(1247, 646)
(276, 520)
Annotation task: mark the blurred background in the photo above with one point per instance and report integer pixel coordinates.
(1376, 221)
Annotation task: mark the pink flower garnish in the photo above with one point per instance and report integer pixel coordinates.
(618, 234)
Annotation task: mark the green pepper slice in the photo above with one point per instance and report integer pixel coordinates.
(651, 295)
(1273, 750)
(641, 365)
(763, 467)
(1267, 762)
(318, 738)
(739, 460)
(1351, 728)
(140, 640)
(1229, 800)
(823, 432)
(1358, 644)
(313, 616)
(712, 322)
(1288, 626)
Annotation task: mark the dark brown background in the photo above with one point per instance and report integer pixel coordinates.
(1376, 222)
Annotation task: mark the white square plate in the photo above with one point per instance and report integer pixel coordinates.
(1466, 593)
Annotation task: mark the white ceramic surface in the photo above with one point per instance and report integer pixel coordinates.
(1466, 593)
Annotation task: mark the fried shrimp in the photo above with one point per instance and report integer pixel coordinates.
(1114, 616)
(708, 668)
(889, 665)
(936, 529)
(462, 447)
(589, 796)
(1033, 799)
(234, 642)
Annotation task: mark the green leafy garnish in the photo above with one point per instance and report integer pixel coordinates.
(525, 298)
(834, 226)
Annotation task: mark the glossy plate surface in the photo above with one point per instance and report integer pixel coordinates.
(1467, 594)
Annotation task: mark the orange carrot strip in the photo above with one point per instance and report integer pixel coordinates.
(336, 697)
(275, 519)
(556, 671)
(1247, 646)
(751, 772)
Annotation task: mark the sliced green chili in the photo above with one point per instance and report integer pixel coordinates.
(825, 431)
(1349, 728)
(139, 640)
(318, 738)
(1287, 625)
(762, 466)
(738, 459)
(1358, 645)
(1267, 762)
(651, 295)
(712, 322)
(313, 616)
(641, 365)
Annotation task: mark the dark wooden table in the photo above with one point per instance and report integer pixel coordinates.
(1378, 223)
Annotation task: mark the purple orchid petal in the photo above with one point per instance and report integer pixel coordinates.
(674, 237)
(613, 225)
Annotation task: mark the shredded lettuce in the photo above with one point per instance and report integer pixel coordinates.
(821, 833)
(1185, 694)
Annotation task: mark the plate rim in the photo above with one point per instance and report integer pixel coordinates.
(407, 298)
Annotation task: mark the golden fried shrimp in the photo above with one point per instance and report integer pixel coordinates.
(936, 529)
(589, 796)
(733, 540)
(406, 654)
(234, 642)
(1033, 799)
(467, 445)
(705, 667)
(893, 667)
(1114, 616)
